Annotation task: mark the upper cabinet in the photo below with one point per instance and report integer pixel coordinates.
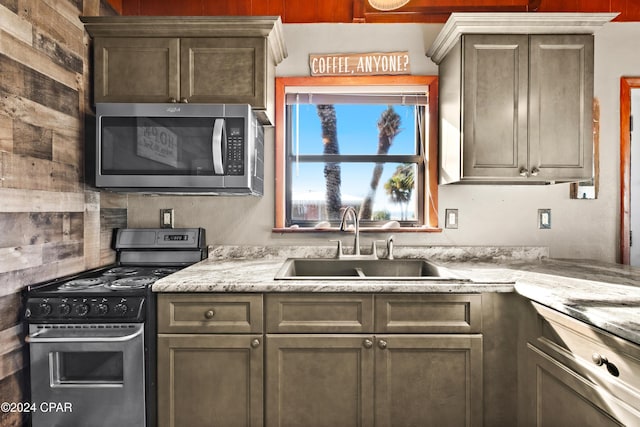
(516, 95)
(187, 59)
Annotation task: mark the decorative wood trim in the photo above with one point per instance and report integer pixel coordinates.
(626, 84)
(430, 199)
(513, 23)
(13, 388)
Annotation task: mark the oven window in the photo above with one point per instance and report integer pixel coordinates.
(87, 367)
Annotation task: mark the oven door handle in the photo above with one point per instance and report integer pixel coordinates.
(35, 338)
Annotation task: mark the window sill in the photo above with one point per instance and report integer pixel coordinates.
(296, 229)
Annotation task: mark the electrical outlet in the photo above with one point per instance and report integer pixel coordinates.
(451, 218)
(166, 218)
(544, 219)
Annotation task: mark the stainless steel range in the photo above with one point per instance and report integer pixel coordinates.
(92, 336)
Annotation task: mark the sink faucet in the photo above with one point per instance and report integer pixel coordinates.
(350, 211)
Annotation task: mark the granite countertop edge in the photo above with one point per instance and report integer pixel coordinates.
(604, 295)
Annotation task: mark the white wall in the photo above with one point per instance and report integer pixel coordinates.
(489, 215)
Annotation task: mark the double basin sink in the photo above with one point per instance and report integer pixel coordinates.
(363, 269)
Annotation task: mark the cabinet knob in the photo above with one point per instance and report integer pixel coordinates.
(535, 171)
(367, 343)
(599, 359)
(523, 171)
(209, 314)
(255, 343)
(382, 344)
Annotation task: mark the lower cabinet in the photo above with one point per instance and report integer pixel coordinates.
(321, 380)
(578, 375)
(364, 380)
(210, 380)
(562, 397)
(401, 360)
(428, 380)
(210, 360)
(320, 360)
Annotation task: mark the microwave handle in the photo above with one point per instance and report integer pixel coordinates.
(217, 141)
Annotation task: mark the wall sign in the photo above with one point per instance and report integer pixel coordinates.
(360, 64)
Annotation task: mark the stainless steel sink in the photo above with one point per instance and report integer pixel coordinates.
(362, 269)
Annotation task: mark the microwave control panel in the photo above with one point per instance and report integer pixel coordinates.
(235, 146)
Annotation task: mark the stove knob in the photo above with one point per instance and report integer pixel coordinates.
(103, 309)
(121, 308)
(64, 309)
(82, 309)
(45, 309)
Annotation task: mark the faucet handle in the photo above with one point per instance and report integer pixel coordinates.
(389, 242)
(339, 253)
(374, 248)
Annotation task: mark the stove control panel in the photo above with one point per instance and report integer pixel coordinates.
(100, 308)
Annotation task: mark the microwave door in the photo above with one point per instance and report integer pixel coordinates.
(218, 141)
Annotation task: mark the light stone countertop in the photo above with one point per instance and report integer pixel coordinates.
(604, 295)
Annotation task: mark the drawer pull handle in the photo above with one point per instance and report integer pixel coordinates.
(209, 314)
(255, 343)
(600, 360)
(382, 344)
(367, 343)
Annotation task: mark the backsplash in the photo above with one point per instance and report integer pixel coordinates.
(435, 253)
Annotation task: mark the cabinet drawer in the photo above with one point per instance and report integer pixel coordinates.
(319, 313)
(209, 313)
(576, 343)
(428, 313)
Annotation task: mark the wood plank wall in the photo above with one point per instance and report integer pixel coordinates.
(306, 11)
(51, 223)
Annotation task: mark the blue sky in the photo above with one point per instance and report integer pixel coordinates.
(357, 134)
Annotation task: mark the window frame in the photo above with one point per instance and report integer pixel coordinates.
(428, 200)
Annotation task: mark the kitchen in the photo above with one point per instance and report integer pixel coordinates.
(54, 225)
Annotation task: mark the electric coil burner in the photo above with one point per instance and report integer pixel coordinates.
(92, 336)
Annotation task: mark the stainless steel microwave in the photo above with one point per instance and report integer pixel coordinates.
(179, 148)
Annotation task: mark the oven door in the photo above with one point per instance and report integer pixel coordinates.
(88, 375)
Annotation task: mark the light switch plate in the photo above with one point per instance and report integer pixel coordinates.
(451, 218)
(166, 218)
(544, 219)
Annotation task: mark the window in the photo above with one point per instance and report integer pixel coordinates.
(356, 141)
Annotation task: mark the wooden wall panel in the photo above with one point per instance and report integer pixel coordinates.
(52, 223)
(12, 388)
(308, 11)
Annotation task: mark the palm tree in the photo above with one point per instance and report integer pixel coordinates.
(400, 186)
(328, 123)
(388, 128)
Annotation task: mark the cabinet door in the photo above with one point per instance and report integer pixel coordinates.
(136, 69)
(558, 396)
(561, 106)
(319, 380)
(495, 81)
(210, 380)
(224, 70)
(428, 380)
